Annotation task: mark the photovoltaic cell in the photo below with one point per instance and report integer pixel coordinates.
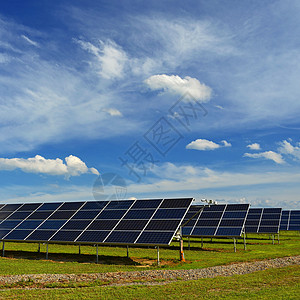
(49, 206)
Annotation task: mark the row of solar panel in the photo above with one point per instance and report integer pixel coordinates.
(215, 220)
(127, 221)
(290, 220)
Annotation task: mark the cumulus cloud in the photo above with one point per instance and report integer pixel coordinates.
(73, 166)
(288, 149)
(202, 144)
(177, 85)
(113, 112)
(254, 146)
(276, 157)
(110, 57)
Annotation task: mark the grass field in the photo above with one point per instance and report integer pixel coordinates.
(22, 258)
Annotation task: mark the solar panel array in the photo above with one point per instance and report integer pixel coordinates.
(216, 220)
(263, 220)
(149, 222)
(290, 220)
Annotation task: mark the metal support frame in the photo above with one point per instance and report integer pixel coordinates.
(202, 242)
(39, 248)
(79, 250)
(278, 239)
(234, 244)
(127, 251)
(158, 262)
(47, 252)
(272, 239)
(97, 256)
(3, 248)
(189, 243)
(245, 248)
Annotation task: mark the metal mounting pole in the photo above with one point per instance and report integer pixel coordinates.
(181, 250)
(3, 248)
(278, 239)
(97, 256)
(189, 243)
(272, 239)
(39, 249)
(79, 250)
(245, 248)
(201, 242)
(158, 263)
(127, 251)
(234, 244)
(47, 252)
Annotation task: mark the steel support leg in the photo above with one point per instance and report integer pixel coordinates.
(127, 251)
(278, 239)
(79, 249)
(3, 248)
(201, 242)
(39, 248)
(272, 239)
(158, 262)
(47, 252)
(245, 248)
(234, 244)
(97, 256)
(189, 243)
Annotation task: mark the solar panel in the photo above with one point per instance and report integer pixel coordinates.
(226, 220)
(149, 222)
(290, 220)
(263, 220)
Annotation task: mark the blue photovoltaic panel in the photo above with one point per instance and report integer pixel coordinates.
(49, 206)
(290, 220)
(263, 220)
(11, 207)
(111, 222)
(226, 220)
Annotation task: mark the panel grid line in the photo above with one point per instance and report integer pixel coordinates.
(119, 221)
(220, 219)
(66, 221)
(149, 221)
(92, 220)
(54, 211)
(16, 227)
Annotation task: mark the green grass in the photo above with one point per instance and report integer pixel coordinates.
(280, 283)
(22, 258)
(283, 283)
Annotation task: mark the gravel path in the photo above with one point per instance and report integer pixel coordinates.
(148, 276)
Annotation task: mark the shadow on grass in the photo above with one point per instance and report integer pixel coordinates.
(70, 257)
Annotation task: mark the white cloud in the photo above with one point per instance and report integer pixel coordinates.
(175, 178)
(30, 41)
(110, 57)
(113, 112)
(288, 149)
(74, 166)
(202, 144)
(254, 146)
(276, 157)
(177, 85)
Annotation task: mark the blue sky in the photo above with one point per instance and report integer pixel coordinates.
(193, 98)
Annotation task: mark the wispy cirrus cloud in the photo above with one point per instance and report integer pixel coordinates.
(73, 166)
(203, 144)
